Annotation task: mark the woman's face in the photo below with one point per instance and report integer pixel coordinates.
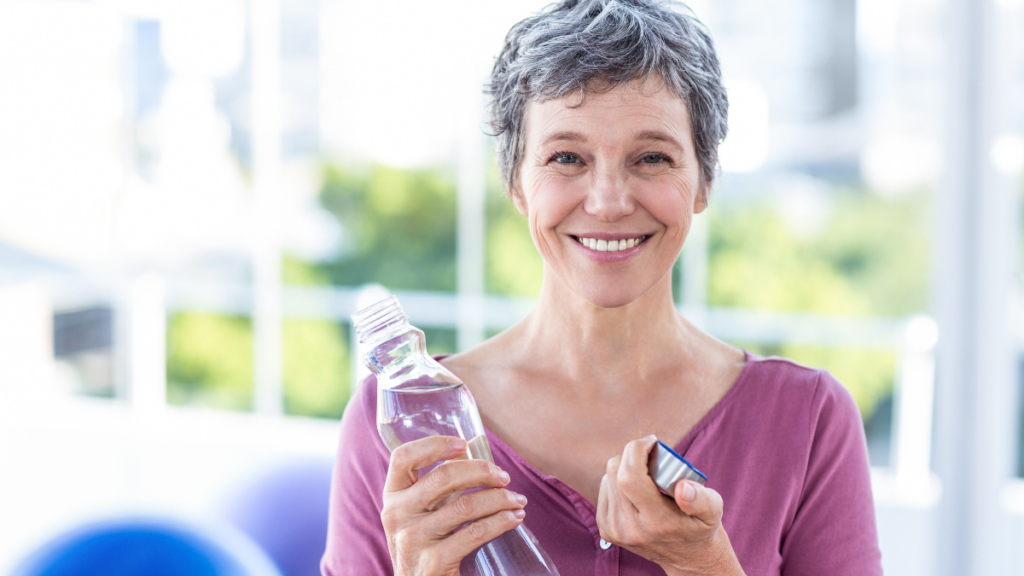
(610, 188)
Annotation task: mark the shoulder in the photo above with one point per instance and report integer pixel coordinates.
(796, 406)
(813, 388)
(359, 437)
(812, 408)
(778, 372)
(363, 403)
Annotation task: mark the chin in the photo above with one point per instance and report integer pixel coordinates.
(606, 298)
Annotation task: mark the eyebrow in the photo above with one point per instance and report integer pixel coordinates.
(565, 136)
(655, 136)
(647, 135)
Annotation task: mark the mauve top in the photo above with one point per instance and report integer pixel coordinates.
(785, 448)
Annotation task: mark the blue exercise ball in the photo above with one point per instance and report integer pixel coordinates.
(147, 548)
(284, 510)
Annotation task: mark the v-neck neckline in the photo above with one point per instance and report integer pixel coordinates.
(682, 447)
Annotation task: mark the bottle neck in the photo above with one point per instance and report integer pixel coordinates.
(396, 352)
(391, 343)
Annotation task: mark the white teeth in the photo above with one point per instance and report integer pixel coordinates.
(610, 245)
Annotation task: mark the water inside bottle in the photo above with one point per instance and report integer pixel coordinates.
(413, 410)
(417, 409)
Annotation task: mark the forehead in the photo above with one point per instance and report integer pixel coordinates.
(627, 110)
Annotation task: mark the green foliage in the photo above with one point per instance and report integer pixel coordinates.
(440, 340)
(210, 364)
(295, 272)
(399, 227)
(209, 361)
(870, 258)
(514, 267)
(317, 368)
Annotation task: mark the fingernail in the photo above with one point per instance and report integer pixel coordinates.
(521, 500)
(651, 438)
(503, 475)
(519, 514)
(689, 492)
(457, 443)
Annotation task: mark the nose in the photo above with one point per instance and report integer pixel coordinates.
(609, 197)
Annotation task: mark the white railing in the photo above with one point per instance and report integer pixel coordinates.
(912, 339)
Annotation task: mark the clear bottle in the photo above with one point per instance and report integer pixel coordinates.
(416, 398)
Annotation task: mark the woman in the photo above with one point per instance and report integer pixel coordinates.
(608, 115)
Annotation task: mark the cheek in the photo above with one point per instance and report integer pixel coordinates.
(672, 206)
(550, 201)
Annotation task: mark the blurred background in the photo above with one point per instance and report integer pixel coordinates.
(196, 194)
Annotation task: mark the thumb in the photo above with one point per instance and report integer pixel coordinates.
(702, 503)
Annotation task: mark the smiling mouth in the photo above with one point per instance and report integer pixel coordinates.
(611, 245)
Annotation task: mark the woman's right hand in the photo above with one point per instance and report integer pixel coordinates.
(420, 525)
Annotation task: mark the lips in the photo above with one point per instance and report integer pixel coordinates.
(604, 245)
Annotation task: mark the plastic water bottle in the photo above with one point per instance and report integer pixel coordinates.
(416, 398)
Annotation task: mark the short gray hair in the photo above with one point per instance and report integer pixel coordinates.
(576, 46)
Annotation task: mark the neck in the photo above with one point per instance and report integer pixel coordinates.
(601, 348)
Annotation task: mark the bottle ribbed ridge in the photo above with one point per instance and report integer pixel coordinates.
(375, 319)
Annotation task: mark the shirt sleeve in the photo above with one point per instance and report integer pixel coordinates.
(356, 545)
(834, 530)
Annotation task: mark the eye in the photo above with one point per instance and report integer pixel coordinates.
(564, 158)
(653, 159)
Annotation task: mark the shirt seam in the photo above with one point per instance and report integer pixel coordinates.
(807, 468)
(384, 462)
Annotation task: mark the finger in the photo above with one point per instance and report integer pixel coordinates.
(700, 502)
(619, 511)
(452, 477)
(637, 452)
(611, 474)
(612, 467)
(606, 509)
(409, 458)
(633, 477)
(470, 507)
(480, 532)
(602, 500)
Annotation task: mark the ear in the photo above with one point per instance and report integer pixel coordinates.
(700, 202)
(517, 199)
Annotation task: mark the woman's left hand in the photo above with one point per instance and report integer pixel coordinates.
(684, 536)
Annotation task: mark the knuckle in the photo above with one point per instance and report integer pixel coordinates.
(431, 563)
(388, 517)
(464, 506)
(492, 469)
(400, 455)
(403, 541)
(628, 482)
(440, 476)
(476, 532)
(613, 464)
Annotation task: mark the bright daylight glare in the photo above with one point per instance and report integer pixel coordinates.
(196, 195)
